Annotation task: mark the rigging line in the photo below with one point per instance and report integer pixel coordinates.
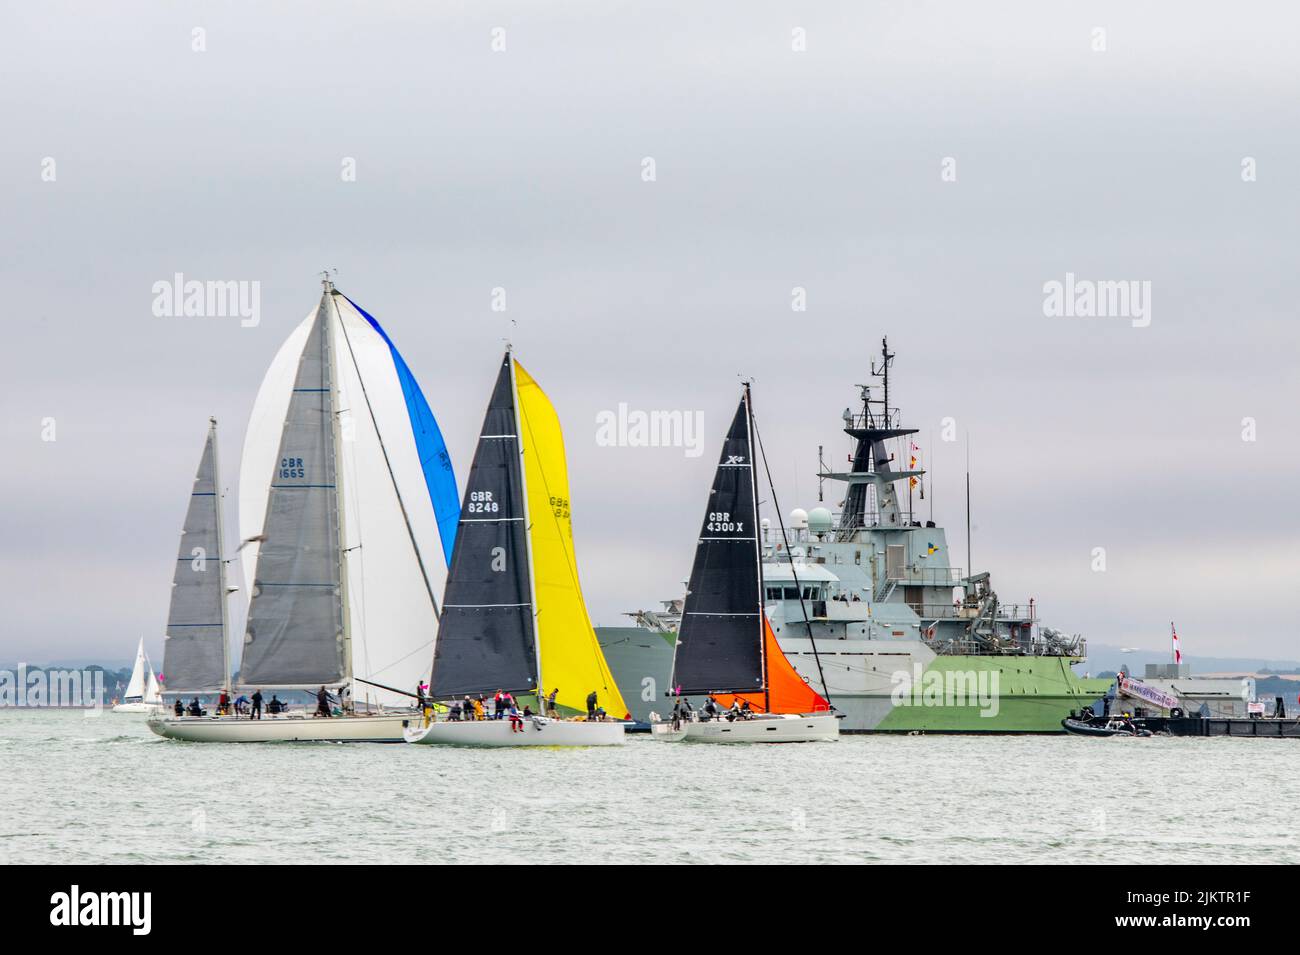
(602, 665)
(424, 575)
(422, 648)
(826, 691)
(358, 588)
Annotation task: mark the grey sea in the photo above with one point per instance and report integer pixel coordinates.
(103, 789)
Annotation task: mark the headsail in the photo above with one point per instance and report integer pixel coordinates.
(135, 686)
(152, 692)
(572, 660)
(787, 691)
(431, 449)
(486, 638)
(295, 631)
(194, 654)
(396, 568)
(720, 640)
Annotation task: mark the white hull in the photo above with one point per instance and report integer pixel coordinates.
(535, 733)
(295, 728)
(667, 733)
(819, 727)
(135, 707)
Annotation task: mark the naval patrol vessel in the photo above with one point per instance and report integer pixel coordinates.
(871, 610)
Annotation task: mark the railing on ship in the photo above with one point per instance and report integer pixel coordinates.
(1006, 613)
(1038, 647)
(870, 519)
(930, 577)
(892, 419)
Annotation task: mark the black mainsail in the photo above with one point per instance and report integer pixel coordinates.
(720, 639)
(486, 640)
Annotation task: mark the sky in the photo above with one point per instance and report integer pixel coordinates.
(918, 170)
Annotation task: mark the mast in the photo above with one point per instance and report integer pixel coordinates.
(528, 524)
(758, 552)
(339, 499)
(221, 561)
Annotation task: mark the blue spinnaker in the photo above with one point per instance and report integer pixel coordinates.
(439, 477)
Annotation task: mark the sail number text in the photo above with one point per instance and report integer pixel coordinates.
(480, 502)
(292, 468)
(720, 521)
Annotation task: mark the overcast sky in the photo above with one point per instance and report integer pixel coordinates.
(775, 168)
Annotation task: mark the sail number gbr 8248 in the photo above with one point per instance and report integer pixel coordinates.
(481, 502)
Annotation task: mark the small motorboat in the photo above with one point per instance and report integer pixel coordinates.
(1110, 727)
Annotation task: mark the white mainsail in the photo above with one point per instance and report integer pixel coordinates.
(394, 475)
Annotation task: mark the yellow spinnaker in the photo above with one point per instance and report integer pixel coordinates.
(572, 660)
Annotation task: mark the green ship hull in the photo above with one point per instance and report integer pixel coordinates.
(1033, 695)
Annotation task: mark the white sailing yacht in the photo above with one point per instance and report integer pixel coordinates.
(142, 694)
(514, 618)
(348, 508)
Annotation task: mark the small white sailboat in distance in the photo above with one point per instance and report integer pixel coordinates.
(513, 612)
(142, 694)
(346, 489)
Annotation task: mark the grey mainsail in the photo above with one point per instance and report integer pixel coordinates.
(295, 634)
(194, 654)
(485, 638)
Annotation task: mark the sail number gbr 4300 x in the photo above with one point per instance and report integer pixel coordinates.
(720, 522)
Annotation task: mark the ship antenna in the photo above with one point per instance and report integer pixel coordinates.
(821, 471)
(970, 571)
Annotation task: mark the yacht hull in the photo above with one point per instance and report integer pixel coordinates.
(534, 733)
(135, 708)
(387, 728)
(786, 728)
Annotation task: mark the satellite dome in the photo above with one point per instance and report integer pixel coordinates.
(798, 519)
(819, 520)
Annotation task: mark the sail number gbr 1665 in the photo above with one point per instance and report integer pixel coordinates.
(720, 522)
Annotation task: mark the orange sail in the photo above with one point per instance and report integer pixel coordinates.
(786, 690)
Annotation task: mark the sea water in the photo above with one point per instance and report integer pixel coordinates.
(103, 788)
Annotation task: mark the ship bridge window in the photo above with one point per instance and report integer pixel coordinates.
(773, 593)
(790, 593)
